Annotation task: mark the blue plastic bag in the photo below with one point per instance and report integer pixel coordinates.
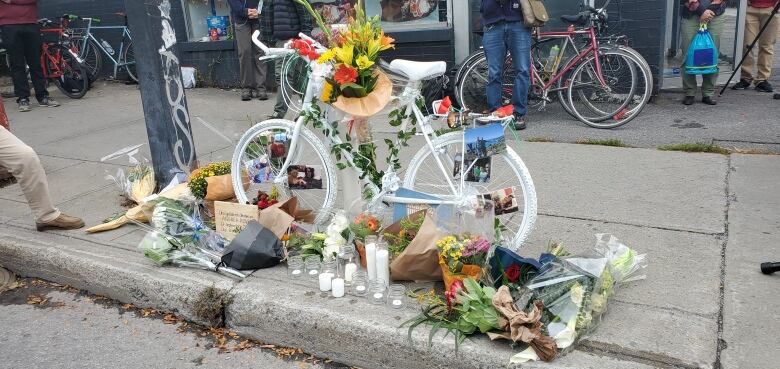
(702, 55)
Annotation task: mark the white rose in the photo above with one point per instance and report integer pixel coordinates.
(332, 245)
(577, 293)
(340, 222)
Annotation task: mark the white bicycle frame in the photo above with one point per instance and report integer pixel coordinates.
(390, 181)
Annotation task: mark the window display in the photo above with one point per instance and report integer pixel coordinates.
(197, 14)
(394, 14)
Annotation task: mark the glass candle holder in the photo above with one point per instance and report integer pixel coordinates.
(327, 273)
(377, 293)
(371, 257)
(396, 296)
(295, 267)
(347, 263)
(313, 266)
(360, 283)
(383, 263)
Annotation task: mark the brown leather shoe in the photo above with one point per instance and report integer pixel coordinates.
(63, 221)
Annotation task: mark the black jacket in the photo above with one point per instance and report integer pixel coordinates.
(284, 19)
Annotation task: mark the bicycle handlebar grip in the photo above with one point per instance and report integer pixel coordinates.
(769, 268)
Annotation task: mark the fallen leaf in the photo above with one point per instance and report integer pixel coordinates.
(268, 346)
(302, 365)
(170, 319)
(127, 306)
(125, 322)
(36, 300)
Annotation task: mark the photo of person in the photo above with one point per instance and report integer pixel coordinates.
(259, 170)
(504, 201)
(484, 141)
(278, 146)
(406, 10)
(304, 177)
(334, 11)
(458, 166)
(480, 171)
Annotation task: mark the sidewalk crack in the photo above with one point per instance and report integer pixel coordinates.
(721, 344)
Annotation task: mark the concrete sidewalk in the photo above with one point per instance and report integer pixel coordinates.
(704, 220)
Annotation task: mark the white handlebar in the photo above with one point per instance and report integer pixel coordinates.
(269, 51)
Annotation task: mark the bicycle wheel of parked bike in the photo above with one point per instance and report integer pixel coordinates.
(93, 60)
(260, 153)
(295, 77)
(73, 79)
(128, 56)
(473, 84)
(604, 105)
(515, 208)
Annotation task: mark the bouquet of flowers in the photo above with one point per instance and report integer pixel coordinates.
(325, 245)
(462, 256)
(364, 225)
(138, 182)
(212, 182)
(401, 239)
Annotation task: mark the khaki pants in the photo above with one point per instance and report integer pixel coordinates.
(22, 161)
(754, 20)
(688, 29)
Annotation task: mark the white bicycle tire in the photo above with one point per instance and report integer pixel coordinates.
(512, 159)
(330, 174)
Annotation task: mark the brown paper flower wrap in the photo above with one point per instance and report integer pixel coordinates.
(519, 326)
(371, 104)
(220, 188)
(468, 271)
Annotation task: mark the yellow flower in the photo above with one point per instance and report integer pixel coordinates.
(345, 53)
(363, 62)
(327, 56)
(327, 92)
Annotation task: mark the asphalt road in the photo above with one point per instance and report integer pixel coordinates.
(52, 327)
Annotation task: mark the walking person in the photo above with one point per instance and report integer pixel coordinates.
(22, 38)
(694, 13)
(504, 31)
(23, 163)
(758, 13)
(246, 20)
(283, 20)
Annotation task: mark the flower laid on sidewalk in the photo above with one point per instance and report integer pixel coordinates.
(212, 182)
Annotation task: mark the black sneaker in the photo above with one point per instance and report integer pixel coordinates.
(262, 95)
(48, 102)
(708, 100)
(741, 85)
(277, 115)
(246, 94)
(24, 105)
(688, 100)
(519, 123)
(776, 97)
(764, 86)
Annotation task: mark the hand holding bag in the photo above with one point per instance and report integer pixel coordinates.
(534, 13)
(702, 55)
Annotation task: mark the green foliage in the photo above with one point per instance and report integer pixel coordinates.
(696, 147)
(397, 243)
(609, 142)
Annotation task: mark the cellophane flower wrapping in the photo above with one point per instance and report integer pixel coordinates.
(137, 182)
(576, 289)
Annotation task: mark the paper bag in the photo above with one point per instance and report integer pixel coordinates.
(231, 218)
(420, 260)
(219, 188)
(279, 217)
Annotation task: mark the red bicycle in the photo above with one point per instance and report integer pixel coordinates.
(61, 63)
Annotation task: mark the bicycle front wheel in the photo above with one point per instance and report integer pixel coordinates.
(73, 78)
(128, 57)
(260, 155)
(93, 61)
(506, 171)
(294, 79)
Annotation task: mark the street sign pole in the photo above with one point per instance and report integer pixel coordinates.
(162, 90)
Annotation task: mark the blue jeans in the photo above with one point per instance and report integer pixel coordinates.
(498, 39)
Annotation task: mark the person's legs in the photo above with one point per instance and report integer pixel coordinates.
(519, 45)
(15, 47)
(709, 80)
(258, 68)
(766, 44)
(280, 108)
(688, 28)
(22, 161)
(751, 30)
(243, 34)
(30, 35)
(494, 43)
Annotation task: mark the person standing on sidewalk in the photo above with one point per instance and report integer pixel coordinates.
(23, 163)
(758, 13)
(694, 13)
(246, 20)
(281, 21)
(22, 38)
(505, 32)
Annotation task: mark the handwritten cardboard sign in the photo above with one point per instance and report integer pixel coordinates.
(232, 217)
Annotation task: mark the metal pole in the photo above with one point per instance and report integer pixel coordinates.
(162, 90)
(750, 48)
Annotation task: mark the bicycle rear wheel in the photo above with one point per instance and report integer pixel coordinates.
(73, 80)
(473, 84)
(260, 154)
(128, 56)
(508, 171)
(604, 105)
(93, 60)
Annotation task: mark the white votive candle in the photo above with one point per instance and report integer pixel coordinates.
(325, 281)
(378, 295)
(383, 266)
(338, 287)
(349, 271)
(371, 260)
(360, 288)
(397, 303)
(296, 272)
(313, 272)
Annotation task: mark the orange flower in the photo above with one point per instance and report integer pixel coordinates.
(345, 74)
(373, 224)
(286, 237)
(386, 42)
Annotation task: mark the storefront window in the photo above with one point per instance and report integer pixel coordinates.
(197, 16)
(394, 14)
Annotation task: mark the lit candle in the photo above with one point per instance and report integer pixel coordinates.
(383, 266)
(397, 303)
(296, 272)
(371, 260)
(360, 288)
(349, 271)
(338, 287)
(378, 295)
(325, 281)
(313, 272)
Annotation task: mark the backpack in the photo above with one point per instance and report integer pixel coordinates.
(702, 55)
(534, 13)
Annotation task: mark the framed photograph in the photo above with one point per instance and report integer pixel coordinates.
(484, 141)
(304, 177)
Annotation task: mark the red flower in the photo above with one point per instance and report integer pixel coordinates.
(345, 74)
(513, 273)
(452, 294)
